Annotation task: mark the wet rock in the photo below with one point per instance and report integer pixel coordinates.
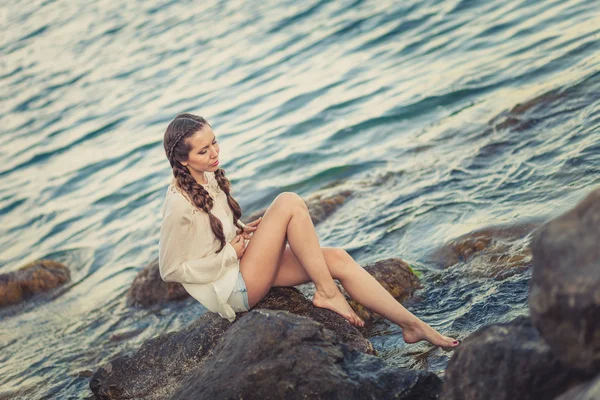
(279, 355)
(148, 288)
(155, 370)
(36, 277)
(507, 361)
(564, 296)
(291, 299)
(585, 391)
(497, 252)
(320, 205)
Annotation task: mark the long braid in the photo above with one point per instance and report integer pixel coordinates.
(177, 150)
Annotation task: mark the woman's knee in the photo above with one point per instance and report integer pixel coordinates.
(290, 201)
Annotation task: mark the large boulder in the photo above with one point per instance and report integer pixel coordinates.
(279, 355)
(564, 296)
(154, 370)
(505, 362)
(35, 277)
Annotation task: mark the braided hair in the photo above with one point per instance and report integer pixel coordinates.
(177, 149)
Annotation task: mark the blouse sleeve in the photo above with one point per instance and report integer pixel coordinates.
(173, 247)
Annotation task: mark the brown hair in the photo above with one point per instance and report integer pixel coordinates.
(177, 149)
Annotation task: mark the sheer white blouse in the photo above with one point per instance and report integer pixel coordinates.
(187, 248)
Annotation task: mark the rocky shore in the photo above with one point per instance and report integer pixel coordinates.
(285, 348)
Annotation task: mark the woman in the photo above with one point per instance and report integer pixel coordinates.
(229, 266)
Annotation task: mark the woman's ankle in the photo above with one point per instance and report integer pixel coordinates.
(328, 292)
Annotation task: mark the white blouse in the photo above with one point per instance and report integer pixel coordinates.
(187, 248)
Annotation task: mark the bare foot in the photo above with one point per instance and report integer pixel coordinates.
(338, 304)
(421, 331)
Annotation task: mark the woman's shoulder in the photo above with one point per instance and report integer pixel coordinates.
(177, 199)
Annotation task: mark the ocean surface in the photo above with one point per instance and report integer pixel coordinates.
(447, 116)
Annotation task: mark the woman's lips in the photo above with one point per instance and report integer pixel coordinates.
(216, 163)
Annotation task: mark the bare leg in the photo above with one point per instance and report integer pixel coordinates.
(366, 290)
(288, 218)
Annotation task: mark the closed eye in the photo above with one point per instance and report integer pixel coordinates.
(204, 151)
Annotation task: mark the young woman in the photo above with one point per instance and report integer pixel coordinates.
(229, 266)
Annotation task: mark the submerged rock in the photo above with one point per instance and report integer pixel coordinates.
(564, 296)
(36, 277)
(505, 362)
(278, 355)
(290, 299)
(496, 252)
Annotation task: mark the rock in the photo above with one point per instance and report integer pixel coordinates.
(148, 288)
(564, 296)
(177, 352)
(497, 252)
(279, 355)
(585, 391)
(36, 277)
(154, 371)
(290, 299)
(506, 361)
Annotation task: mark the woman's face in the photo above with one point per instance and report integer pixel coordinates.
(205, 151)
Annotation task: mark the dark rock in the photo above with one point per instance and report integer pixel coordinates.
(148, 288)
(154, 371)
(564, 296)
(507, 361)
(585, 391)
(36, 277)
(290, 299)
(279, 355)
(161, 361)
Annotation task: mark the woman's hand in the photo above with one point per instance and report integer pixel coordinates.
(249, 228)
(239, 244)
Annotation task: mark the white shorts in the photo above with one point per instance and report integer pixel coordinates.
(238, 299)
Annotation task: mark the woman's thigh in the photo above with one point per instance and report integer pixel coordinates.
(260, 261)
(292, 273)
